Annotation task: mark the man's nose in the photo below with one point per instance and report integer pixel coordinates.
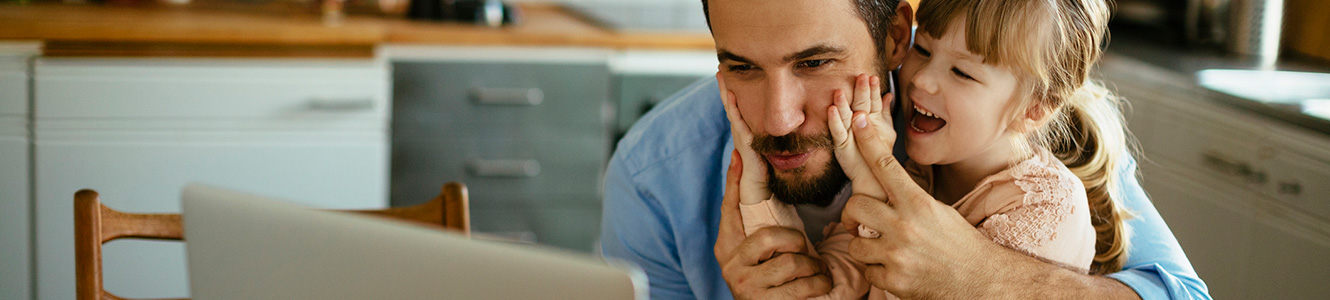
(785, 106)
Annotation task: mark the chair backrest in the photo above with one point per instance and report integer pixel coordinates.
(96, 224)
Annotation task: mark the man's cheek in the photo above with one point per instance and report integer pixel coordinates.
(750, 109)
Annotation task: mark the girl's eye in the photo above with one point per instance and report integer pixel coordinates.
(962, 74)
(814, 63)
(922, 51)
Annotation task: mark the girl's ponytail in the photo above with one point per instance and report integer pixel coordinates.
(1090, 139)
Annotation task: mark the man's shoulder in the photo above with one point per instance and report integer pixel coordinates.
(684, 129)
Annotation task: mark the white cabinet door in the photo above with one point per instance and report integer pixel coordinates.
(145, 172)
(137, 130)
(15, 201)
(15, 249)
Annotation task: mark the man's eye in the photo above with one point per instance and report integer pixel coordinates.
(814, 63)
(922, 51)
(962, 74)
(740, 68)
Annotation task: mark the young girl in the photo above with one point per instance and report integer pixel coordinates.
(1003, 124)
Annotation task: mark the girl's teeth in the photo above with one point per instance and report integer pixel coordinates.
(921, 111)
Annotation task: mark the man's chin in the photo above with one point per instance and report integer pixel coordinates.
(800, 186)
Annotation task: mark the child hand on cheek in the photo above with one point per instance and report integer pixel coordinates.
(867, 106)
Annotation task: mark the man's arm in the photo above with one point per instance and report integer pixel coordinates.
(928, 250)
(1156, 266)
(634, 229)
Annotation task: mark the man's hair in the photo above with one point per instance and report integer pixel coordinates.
(876, 14)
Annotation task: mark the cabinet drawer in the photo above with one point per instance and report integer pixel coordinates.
(210, 89)
(573, 228)
(501, 170)
(1300, 180)
(544, 94)
(1212, 141)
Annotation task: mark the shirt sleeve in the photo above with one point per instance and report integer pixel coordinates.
(634, 228)
(1156, 267)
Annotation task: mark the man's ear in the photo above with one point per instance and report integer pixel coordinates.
(901, 34)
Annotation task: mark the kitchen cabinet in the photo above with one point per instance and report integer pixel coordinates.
(643, 78)
(528, 131)
(1243, 194)
(137, 130)
(15, 200)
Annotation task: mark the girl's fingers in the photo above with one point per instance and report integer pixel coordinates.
(863, 94)
(737, 126)
(900, 188)
(839, 132)
(877, 91)
(843, 107)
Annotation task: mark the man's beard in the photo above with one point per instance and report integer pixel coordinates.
(819, 190)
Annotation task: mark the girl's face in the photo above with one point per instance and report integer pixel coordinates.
(957, 109)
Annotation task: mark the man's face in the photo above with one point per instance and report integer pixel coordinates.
(784, 59)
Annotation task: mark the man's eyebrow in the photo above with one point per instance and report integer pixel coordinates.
(815, 51)
(723, 55)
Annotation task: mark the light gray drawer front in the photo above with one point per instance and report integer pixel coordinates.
(639, 93)
(574, 228)
(543, 94)
(501, 170)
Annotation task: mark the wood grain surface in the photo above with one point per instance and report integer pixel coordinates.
(287, 31)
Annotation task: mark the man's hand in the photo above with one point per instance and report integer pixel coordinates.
(926, 248)
(772, 263)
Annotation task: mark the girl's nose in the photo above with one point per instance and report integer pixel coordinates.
(926, 79)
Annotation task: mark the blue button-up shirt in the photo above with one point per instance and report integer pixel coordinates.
(664, 186)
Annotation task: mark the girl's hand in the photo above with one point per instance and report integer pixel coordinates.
(866, 107)
(753, 181)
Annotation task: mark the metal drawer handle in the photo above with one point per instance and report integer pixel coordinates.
(507, 96)
(340, 104)
(504, 167)
(1292, 188)
(1233, 167)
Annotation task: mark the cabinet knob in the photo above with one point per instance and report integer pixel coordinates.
(507, 96)
(1292, 188)
(504, 167)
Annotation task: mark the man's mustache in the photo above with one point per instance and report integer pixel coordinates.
(790, 143)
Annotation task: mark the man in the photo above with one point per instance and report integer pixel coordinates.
(783, 59)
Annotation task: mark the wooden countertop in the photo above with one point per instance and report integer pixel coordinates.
(277, 31)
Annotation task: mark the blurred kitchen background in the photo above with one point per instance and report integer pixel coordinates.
(366, 104)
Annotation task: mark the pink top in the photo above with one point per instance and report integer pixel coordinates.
(1037, 207)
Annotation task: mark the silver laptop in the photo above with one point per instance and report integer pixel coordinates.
(242, 246)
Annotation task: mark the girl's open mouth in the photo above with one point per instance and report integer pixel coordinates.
(925, 122)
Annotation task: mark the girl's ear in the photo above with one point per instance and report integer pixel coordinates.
(1036, 116)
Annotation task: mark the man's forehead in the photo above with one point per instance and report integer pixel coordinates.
(774, 29)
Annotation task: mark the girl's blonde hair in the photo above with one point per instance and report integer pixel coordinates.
(1052, 45)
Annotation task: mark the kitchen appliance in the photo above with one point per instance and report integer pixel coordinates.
(493, 13)
(1255, 29)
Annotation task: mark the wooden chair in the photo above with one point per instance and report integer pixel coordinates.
(96, 224)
